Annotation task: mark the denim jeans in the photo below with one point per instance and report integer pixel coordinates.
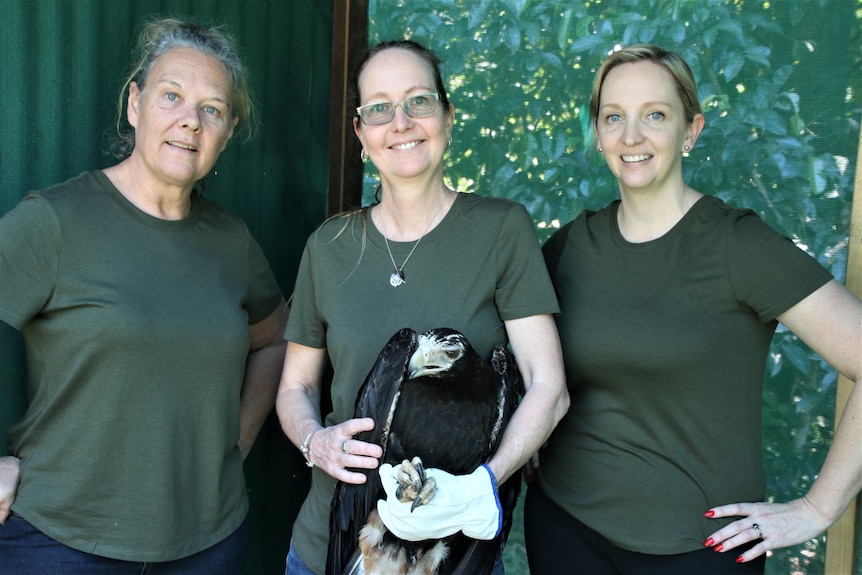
(295, 565)
(27, 551)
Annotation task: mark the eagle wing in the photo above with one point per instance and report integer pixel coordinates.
(377, 399)
(510, 385)
(470, 556)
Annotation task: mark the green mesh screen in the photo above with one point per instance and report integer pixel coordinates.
(781, 87)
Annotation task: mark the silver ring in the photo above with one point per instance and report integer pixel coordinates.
(344, 446)
(756, 527)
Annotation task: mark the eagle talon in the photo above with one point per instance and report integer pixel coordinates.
(420, 469)
(426, 494)
(414, 484)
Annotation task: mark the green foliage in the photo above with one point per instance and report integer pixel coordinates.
(780, 88)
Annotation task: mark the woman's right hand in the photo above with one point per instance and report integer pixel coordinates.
(9, 474)
(333, 449)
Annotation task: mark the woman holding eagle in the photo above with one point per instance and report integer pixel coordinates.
(423, 257)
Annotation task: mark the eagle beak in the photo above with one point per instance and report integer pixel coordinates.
(417, 363)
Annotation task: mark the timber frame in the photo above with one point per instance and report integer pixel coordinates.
(349, 42)
(842, 539)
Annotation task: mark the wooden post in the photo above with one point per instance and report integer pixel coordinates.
(841, 539)
(349, 43)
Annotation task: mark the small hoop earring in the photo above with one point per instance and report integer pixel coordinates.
(363, 155)
(449, 145)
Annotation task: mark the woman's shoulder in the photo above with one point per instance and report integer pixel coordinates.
(586, 219)
(714, 206)
(74, 197)
(82, 183)
(472, 202)
(352, 224)
(224, 216)
(715, 212)
(501, 214)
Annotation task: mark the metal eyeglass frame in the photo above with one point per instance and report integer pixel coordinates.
(405, 105)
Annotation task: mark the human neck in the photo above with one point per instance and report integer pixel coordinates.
(407, 215)
(159, 201)
(644, 217)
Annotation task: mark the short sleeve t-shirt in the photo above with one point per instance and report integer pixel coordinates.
(136, 332)
(665, 344)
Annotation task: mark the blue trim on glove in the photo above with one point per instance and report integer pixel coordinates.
(496, 500)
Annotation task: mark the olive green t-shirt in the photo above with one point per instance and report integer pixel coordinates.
(480, 266)
(136, 332)
(665, 344)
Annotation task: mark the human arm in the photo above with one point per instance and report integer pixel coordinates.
(263, 366)
(9, 475)
(298, 407)
(536, 346)
(830, 322)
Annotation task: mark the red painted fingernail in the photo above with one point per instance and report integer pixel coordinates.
(718, 548)
(709, 513)
(740, 559)
(709, 542)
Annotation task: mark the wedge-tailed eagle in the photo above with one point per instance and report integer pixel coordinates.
(433, 397)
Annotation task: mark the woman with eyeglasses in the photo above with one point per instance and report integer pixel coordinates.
(423, 257)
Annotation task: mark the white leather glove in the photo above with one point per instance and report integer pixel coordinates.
(467, 503)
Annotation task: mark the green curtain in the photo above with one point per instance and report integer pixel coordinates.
(62, 63)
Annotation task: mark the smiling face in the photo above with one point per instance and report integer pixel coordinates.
(182, 117)
(405, 148)
(642, 129)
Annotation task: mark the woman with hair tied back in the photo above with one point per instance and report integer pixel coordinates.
(153, 327)
(423, 257)
(668, 303)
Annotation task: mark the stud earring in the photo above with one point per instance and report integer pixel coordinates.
(601, 150)
(686, 147)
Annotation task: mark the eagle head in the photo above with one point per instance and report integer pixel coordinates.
(437, 351)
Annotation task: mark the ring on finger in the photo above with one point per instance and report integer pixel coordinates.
(344, 446)
(756, 527)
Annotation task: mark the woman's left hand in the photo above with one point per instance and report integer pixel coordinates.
(9, 474)
(775, 525)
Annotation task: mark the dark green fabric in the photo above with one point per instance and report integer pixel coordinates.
(652, 333)
(63, 63)
(480, 266)
(134, 373)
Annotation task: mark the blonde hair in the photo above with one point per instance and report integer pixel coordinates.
(670, 61)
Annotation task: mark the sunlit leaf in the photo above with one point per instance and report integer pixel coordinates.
(733, 66)
(586, 43)
(563, 32)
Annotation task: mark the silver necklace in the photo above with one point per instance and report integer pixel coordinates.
(397, 277)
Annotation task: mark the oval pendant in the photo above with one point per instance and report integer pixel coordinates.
(396, 279)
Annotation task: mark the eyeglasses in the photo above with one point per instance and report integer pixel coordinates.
(417, 106)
